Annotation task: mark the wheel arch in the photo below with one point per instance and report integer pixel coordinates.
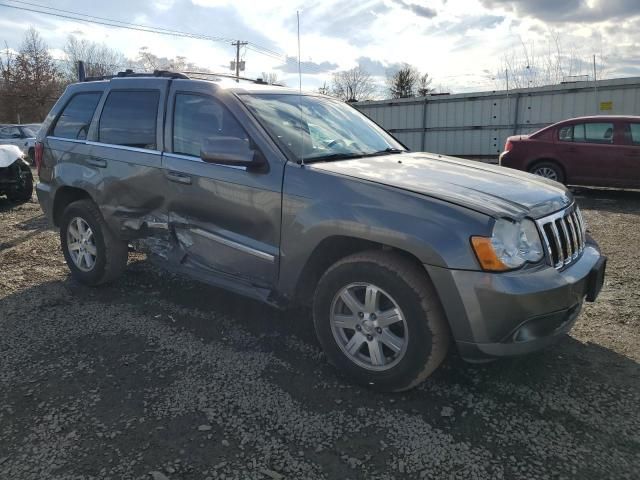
(65, 196)
(329, 251)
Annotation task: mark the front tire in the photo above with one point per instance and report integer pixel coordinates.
(94, 255)
(380, 321)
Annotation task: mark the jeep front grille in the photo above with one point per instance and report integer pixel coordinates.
(563, 236)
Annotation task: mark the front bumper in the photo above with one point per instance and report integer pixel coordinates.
(513, 313)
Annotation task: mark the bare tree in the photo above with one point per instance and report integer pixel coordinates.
(271, 78)
(531, 66)
(424, 85)
(324, 89)
(148, 62)
(353, 85)
(8, 95)
(30, 80)
(403, 83)
(99, 60)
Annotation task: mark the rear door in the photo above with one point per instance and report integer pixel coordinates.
(126, 143)
(226, 219)
(66, 140)
(630, 151)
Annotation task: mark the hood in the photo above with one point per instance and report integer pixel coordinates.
(490, 189)
(9, 154)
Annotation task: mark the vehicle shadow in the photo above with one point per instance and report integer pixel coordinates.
(290, 334)
(609, 200)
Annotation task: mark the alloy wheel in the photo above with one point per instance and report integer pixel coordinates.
(81, 244)
(369, 326)
(546, 172)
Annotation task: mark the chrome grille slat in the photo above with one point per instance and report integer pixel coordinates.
(556, 239)
(574, 239)
(567, 241)
(563, 236)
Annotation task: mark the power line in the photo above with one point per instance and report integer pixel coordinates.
(83, 17)
(109, 22)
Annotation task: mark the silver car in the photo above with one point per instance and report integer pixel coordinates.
(298, 198)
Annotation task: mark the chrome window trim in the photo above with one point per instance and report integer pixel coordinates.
(62, 139)
(195, 159)
(124, 147)
(235, 245)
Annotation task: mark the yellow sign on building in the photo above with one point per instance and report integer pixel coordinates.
(606, 106)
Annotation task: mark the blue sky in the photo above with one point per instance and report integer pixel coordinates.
(462, 44)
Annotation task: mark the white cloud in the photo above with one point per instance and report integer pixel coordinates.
(459, 43)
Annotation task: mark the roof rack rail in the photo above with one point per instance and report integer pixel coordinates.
(128, 73)
(258, 81)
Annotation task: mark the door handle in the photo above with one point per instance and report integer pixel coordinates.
(179, 178)
(97, 162)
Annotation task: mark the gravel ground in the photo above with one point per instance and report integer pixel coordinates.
(162, 377)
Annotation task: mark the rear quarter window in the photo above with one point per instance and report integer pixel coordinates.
(129, 118)
(76, 117)
(634, 131)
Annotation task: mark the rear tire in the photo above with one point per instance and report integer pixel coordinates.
(400, 345)
(94, 255)
(548, 169)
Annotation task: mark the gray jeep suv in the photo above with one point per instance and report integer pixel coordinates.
(298, 198)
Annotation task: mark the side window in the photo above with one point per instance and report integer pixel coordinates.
(197, 118)
(7, 133)
(76, 116)
(566, 134)
(635, 133)
(129, 118)
(593, 133)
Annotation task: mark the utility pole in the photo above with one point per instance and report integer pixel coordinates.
(238, 44)
(595, 85)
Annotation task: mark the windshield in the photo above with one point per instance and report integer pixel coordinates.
(315, 128)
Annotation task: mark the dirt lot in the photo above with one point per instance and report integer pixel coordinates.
(162, 377)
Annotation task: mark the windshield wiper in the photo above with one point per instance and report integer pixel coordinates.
(346, 156)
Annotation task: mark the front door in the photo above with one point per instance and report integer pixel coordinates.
(589, 154)
(226, 219)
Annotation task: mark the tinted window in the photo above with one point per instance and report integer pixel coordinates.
(635, 133)
(9, 132)
(76, 116)
(197, 118)
(129, 118)
(588, 133)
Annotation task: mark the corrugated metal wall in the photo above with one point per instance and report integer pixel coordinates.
(477, 124)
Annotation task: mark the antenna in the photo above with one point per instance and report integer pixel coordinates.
(299, 66)
(300, 95)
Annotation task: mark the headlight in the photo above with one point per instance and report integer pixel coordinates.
(510, 246)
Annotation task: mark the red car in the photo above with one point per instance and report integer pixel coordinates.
(598, 151)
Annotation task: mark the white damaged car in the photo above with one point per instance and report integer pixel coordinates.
(16, 180)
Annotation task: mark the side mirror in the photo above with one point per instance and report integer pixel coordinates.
(230, 151)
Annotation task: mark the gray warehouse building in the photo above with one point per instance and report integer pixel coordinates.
(477, 124)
